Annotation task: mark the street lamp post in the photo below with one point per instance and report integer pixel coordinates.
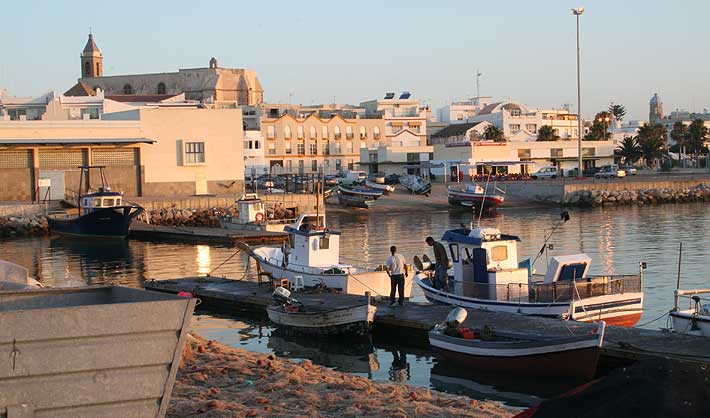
(577, 12)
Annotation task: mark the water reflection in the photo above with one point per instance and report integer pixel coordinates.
(203, 259)
(399, 371)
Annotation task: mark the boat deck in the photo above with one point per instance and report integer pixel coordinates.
(204, 235)
(414, 319)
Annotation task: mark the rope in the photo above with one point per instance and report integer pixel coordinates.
(222, 263)
(651, 321)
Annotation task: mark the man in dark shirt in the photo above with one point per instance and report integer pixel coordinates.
(442, 263)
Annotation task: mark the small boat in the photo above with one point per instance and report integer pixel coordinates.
(253, 216)
(100, 213)
(385, 188)
(474, 195)
(293, 317)
(360, 197)
(15, 277)
(574, 356)
(312, 254)
(415, 184)
(696, 319)
(487, 275)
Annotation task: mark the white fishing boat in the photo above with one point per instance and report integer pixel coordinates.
(312, 256)
(385, 188)
(475, 195)
(415, 184)
(486, 274)
(695, 320)
(294, 317)
(253, 215)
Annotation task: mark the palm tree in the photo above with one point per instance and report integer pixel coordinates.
(652, 131)
(696, 137)
(494, 134)
(651, 150)
(679, 134)
(546, 133)
(629, 150)
(599, 129)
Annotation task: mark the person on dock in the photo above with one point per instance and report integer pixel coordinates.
(397, 270)
(442, 263)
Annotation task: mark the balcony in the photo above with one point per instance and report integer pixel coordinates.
(349, 135)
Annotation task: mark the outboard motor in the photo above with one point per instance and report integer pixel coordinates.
(283, 296)
(456, 317)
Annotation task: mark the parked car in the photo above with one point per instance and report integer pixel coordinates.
(354, 177)
(331, 180)
(630, 170)
(378, 178)
(591, 171)
(549, 172)
(392, 179)
(610, 172)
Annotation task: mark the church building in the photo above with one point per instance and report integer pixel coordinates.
(220, 86)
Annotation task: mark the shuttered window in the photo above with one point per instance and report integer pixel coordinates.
(15, 159)
(61, 158)
(115, 157)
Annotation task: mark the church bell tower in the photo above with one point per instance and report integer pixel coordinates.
(92, 62)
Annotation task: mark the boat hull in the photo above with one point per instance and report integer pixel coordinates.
(353, 321)
(686, 322)
(475, 199)
(577, 360)
(386, 189)
(104, 223)
(355, 201)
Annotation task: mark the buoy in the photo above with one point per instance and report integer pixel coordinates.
(260, 217)
(185, 294)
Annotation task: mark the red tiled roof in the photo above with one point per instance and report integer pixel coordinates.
(80, 89)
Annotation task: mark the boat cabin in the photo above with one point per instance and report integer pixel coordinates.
(311, 243)
(250, 207)
(102, 199)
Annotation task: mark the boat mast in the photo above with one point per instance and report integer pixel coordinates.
(78, 195)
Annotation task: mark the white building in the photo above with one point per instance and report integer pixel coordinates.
(255, 162)
(459, 112)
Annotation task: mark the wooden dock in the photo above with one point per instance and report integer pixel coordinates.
(224, 236)
(413, 320)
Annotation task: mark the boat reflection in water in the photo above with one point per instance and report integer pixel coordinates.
(350, 356)
(100, 262)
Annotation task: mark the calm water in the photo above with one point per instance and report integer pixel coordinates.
(616, 239)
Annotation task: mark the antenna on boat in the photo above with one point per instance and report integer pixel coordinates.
(564, 217)
(680, 259)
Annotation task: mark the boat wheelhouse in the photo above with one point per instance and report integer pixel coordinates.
(487, 275)
(695, 320)
(312, 254)
(253, 215)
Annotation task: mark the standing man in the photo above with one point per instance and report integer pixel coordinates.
(442, 263)
(397, 270)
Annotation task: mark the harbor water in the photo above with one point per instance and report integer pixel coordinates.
(617, 240)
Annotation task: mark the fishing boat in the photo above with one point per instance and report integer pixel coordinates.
(415, 184)
(384, 188)
(695, 320)
(574, 356)
(475, 195)
(312, 256)
(101, 213)
(359, 197)
(252, 215)
(293, 317)
(486, 274)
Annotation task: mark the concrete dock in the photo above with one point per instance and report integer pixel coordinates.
(412, 321)
(201, 235)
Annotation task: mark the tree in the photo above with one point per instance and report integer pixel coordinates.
(679, 134)
(599, 131)
(696, 136)
(651, 150)
(629, 150)
(618, 111)
(652, 131)
(494, 134)
(546, 133)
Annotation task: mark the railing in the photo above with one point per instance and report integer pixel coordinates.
(284, 182)
(585, 288)
(325, 271)
(689, 294)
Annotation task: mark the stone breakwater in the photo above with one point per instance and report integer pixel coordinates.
(595, 198)
(23, 226)
(186, 217)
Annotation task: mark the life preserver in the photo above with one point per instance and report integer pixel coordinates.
(260, 217)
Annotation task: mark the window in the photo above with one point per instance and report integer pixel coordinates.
(555, 152)
(363, 132)
(93, 112)
(247, 144)
(87, 69)
(314, 148)
(272, 148)
(97, 203)
(376, 132)
(287, 132)
(396, 128)
(314, 165)
(194, 152)
(454, 251)
(349, 148)
(589, 152)
(514, 112)
(336, 132)
(323, 243)
(287, 148)
(300, 166)
(337, 148)
(314, 133)
(523, 153)
(514, 128)
(301, 149)
(257, 144)
(326, 149)
(161, 88)
(324, 132)
(531, 127)
(414, 127)
(108, 202)
(299, 132)
(499, 253)
(270, 132)
(338, 165)
(127, 89)
(349, 132)
(351, 165)
(289, 166)
(98, 70)
(412, 157)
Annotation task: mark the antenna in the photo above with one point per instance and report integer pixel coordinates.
(478, 83)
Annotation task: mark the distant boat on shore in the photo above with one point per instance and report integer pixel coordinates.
(474, 195)
(415, 184)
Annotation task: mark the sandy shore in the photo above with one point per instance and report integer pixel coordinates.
(219, 381)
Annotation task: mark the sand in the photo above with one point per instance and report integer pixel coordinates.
(219, 381)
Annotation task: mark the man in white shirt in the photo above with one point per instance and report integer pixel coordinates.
(397, 270)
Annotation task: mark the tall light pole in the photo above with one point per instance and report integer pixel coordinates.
(577, 12)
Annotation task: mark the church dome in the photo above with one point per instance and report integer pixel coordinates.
(655, 100)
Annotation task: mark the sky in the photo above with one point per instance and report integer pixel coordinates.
(312, 52)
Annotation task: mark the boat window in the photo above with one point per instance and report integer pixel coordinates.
(118, 201)
(571, 271)
(454, 250)
(108, 202)
(499, 253)
(97, 203)
(324, 243)
(291, 240)
(468, 253)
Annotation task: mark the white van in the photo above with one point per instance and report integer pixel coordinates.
(549, 172)
(353, 177)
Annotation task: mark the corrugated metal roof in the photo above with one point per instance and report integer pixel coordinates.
(73, 141)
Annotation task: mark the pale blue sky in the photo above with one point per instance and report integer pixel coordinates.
(354, 51)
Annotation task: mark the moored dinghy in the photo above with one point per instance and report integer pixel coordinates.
(360, 197)
(696, 319)
(293, 317)
(385, 188)
(513, 352)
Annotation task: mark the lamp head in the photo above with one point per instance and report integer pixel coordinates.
(578, 11)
